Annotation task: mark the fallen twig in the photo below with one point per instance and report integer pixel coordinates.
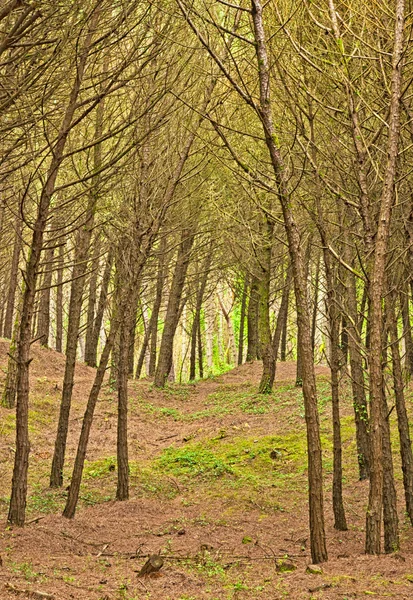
(36, 520)
(29, 593)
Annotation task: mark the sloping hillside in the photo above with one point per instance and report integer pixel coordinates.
(218, 486)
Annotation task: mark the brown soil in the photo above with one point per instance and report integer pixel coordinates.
(215, 546)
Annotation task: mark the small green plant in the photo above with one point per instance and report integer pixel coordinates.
(27, 571)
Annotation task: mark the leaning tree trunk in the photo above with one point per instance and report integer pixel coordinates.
(74, 488)
(75, 308)
(402, 419)
(264, 328)
(17, 509)
(102, 302)
(173, 308)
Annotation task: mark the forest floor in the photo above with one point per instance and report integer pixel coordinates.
(218, 487)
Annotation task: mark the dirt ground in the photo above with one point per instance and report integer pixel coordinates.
(219, 538)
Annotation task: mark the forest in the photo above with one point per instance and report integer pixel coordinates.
(206, 207)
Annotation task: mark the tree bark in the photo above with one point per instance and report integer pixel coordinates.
(377, 424)
(407, 330)
(75, 307)
(17, 509)
(242, 321)
(103, 298)
(91, 305)
(264, 328)
(402, 418)
(252, 321)
(43, 321)
(173, 308)
(59, 300)
(317, 532)
(196, 324)
(14, 272)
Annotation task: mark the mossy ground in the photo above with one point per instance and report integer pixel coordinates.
(218, 482)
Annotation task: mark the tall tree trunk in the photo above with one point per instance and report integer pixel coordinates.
(390, 517)
(402, 419)
(132, 335)
(8, 399)
(153, 325)
(144, 348)
(407, 330)
(43, 321)
(283, 350)
(91, 305)
(264, 328)
(103, 298)
(252, 320)
(375, 504)
(82, 246)
(282, 316)
(173, 308)
(334, 326)
(196, 324)
(315, 479)
(14, 272)
(59, 300)
(17, 509)
(315, 304)
(74, 488)
(357, 381)
(242, 321)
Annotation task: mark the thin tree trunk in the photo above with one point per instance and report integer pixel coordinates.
(315, 305)
(14, 272)
(200, 349)
(91, 305)
(375, 504)
(74, 488)
(264, 328)
(59, 301)
(242, 321)
(75, 307)
(407, 330)
(17, 508)
(196, 324)
(402, 419)
(103, 298)
(252, 321)
(8, 399)
(43, 321)
(153, 326)
(144, 347)
(315, 479)
(173, 308)
(357, 382)
(282, 316)
(283, 351)
(390, 517)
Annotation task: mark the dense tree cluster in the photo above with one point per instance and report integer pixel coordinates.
(186, 185)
